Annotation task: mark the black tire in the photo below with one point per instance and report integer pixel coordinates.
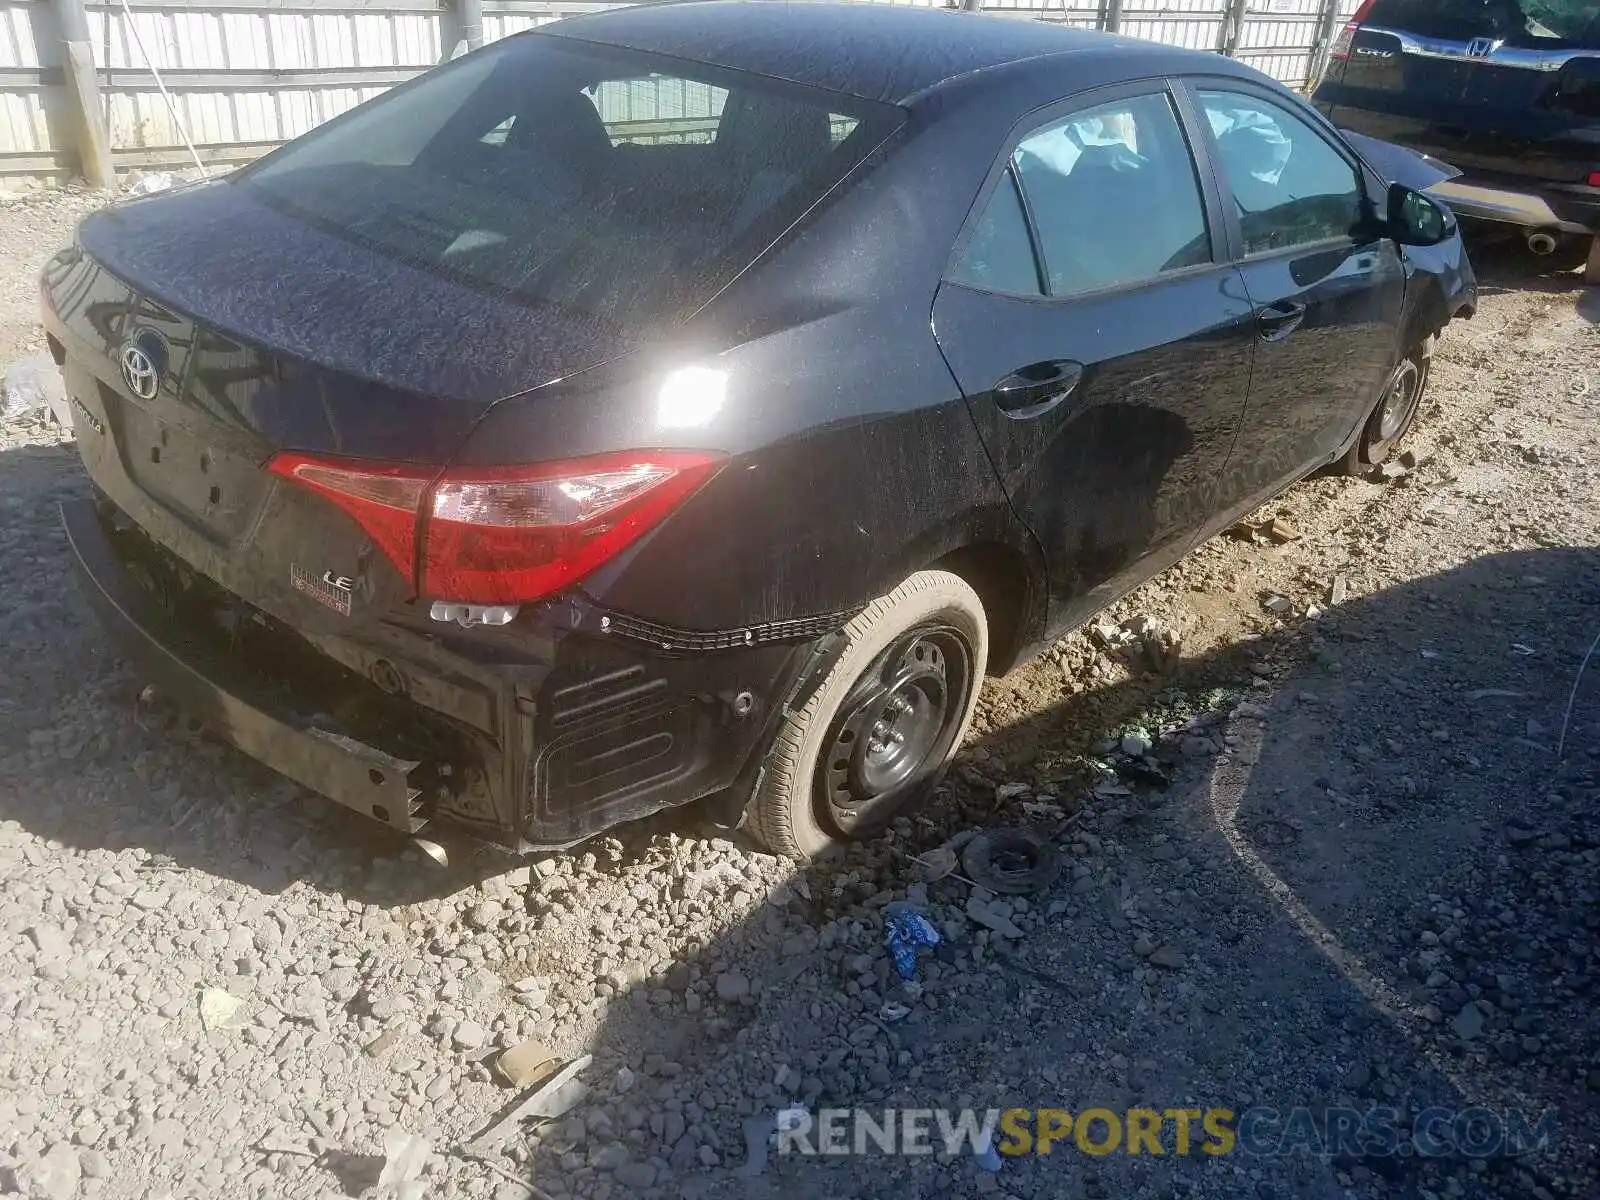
(913, 667)
(1394, 413)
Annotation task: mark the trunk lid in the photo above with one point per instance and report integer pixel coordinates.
(206, 332)
(326, 346)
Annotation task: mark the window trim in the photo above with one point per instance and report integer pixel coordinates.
(1036, 119)
(1190, 87)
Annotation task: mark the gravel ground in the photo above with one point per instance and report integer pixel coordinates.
(1371, 880)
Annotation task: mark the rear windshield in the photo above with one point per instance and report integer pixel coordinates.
(608, 182)
(1527, 23)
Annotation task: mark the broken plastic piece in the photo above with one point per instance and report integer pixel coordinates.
(555, 1097)
(906, 931)
(527, 1063)
(404, 1156)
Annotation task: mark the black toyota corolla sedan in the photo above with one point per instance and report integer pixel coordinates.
(697, 401)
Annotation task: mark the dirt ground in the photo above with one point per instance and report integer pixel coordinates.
(1369, 885)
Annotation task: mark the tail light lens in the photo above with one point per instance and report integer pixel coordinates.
(383, 499)
(505, 535)
(1594, 179)
(1347, 35)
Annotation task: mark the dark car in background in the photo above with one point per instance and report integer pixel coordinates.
(698, 400)
(1507, 91)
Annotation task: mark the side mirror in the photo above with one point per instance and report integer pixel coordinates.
(1416, 219)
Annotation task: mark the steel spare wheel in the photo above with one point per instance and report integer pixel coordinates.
(902, 715)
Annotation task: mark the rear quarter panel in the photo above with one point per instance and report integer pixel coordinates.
(852, 459)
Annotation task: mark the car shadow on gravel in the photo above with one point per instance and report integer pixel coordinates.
(1375, 902)
(1506, 267)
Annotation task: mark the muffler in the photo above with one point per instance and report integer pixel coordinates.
(1542, 243)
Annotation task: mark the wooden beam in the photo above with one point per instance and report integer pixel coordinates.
(83, 95)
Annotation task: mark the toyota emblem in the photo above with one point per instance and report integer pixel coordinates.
(140, 371)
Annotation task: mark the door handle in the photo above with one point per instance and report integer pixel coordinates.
(1279, 320)
(1034, 390)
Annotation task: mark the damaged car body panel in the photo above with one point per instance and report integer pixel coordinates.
(488, 462)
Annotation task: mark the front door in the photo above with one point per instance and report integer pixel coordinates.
(1327, 284)
(1102, 342)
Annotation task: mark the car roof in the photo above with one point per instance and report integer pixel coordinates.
(883, 52)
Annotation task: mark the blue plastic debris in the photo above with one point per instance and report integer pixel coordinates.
(906, 931)
(988, 1159)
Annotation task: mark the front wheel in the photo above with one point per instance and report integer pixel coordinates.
(881, 729)
(1394, 414)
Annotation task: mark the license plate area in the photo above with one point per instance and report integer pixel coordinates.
(215, 490)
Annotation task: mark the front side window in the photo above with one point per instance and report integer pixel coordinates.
(1114, 195)
(609, 182)
(1289, 186)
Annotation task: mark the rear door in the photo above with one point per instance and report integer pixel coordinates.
(1327, 285)
(1101, 339)
(1479, 85)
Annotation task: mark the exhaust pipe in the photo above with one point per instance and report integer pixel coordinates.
(1542, 243)
(432, 849)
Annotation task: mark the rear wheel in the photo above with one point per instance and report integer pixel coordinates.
(881, 729)
(1394, 414)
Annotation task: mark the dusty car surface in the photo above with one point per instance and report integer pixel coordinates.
(1507, 92)
(697, 401)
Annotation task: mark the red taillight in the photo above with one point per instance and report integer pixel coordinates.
(1594, 178)
(383, 499)
(506, 535)
(1347, 35)
(509, 534)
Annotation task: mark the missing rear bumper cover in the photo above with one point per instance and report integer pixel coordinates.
(237, 708)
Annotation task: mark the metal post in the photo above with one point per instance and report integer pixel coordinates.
(463, 23)
(971, 5)
(1232, 31)
(1111, 17)
(1326, 20)
(88, 119)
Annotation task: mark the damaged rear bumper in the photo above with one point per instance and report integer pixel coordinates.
(236, 706)
(534, 736)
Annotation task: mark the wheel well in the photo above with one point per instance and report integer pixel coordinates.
(1000, 577)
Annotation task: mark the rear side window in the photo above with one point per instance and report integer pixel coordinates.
(1289, 186)
(998, 257)
(612, 183)
(1114, 195)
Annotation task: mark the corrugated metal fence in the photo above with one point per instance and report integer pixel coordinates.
(244, 75)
